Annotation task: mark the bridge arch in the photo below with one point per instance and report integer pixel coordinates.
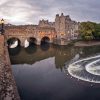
(45, 40)
(11, 41)
(33, 41)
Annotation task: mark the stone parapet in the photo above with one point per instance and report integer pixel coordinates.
(8, 89)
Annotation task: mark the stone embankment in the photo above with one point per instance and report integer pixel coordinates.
(8, 89)
(87, 43)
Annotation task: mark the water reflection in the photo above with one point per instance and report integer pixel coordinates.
(14, 51)
(63, 54)
(88, 51)
(45, 46)
(39, 71)
(31, 49)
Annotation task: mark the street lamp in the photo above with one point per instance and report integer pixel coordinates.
(2, 26)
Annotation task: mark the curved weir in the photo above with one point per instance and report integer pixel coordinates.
(94, 67)
(86, 69)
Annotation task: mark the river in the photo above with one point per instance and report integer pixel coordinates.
(41, 73)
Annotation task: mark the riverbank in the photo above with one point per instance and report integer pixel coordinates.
(8, 89)
(87, 43)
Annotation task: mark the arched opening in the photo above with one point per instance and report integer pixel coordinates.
(13, 42)
(45, 40)
(45, 43)
(32, 41)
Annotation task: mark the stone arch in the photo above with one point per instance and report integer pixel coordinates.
(11, 40)
(45, 39)
(32, 41)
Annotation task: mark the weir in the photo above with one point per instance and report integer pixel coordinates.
(8, 88)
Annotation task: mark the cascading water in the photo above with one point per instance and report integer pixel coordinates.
(86, 69)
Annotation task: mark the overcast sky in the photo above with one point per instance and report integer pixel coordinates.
(30, 11)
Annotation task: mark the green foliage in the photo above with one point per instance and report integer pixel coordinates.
(96, 33)
(89, 30)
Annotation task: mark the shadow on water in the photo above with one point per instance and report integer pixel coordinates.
(44, 46)
(14, 51)
(88, 51)
(31, 49)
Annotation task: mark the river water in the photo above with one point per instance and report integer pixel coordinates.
(41, 73)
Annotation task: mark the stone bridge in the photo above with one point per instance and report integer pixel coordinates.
(21, 33)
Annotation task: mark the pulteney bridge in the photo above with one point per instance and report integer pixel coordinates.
(32, 33)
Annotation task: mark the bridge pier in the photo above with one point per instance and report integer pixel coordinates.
(22, 40)
(22, 44)
(38, 41)
(51, 40)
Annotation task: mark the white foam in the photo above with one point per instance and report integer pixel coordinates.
(86, 72)
(93, 69)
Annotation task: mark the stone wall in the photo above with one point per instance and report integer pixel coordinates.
(23, 33)
(8, 89)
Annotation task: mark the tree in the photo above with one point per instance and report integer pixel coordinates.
(96, 33)
(86, 30)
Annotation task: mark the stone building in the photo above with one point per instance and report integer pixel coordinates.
(62, 30)
(64, 26)
(46, 23)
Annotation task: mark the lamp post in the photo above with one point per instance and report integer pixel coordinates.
(2, 31)
(2, 26)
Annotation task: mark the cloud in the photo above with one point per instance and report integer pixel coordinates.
(30, 11)
(18, 12)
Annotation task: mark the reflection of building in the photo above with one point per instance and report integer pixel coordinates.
(61, 55)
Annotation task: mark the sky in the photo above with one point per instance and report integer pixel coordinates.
(31, 11)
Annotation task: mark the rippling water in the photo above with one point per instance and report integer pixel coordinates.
(52, 72)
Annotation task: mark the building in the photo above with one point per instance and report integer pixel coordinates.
(64, 26)
(46, 23)
(61, 31)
